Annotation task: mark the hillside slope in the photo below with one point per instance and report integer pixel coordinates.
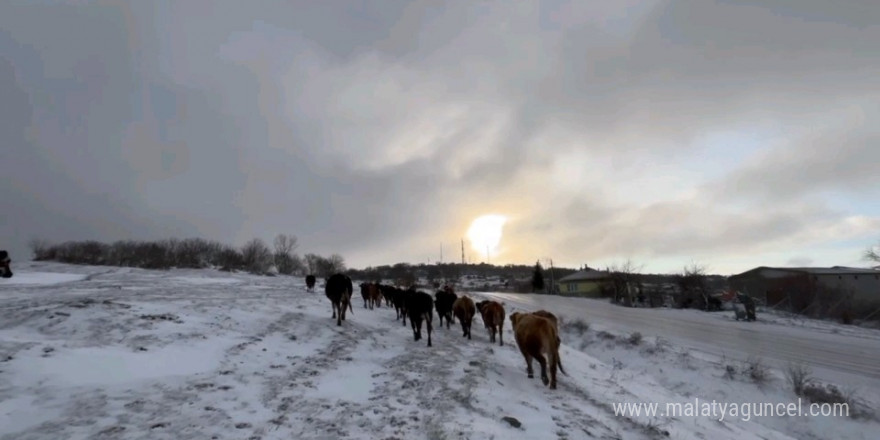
(107, 353)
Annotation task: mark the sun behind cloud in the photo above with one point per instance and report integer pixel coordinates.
(485, 233)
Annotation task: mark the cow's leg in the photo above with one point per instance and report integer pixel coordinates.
(469, 323)
(529, 371)
(500, 329)
(543, 362)
(428, 325)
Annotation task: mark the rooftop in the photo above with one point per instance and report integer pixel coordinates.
(834, 270)
(585, 275)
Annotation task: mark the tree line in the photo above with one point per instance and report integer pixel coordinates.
(255, 256)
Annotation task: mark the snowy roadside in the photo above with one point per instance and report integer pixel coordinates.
(129, 353)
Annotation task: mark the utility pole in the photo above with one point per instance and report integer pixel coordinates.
(487, 255)
(462, 251)
(441, 253)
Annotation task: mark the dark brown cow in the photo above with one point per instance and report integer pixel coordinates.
(464, 309)
(5, 270)
(310, 283)
(443, 300)
(375, 295)
(536, 337)
(492, 313)
(365, 294)
(338, 289)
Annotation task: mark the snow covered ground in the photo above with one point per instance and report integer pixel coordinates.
(98, 352)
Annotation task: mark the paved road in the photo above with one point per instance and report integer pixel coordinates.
(853, 359)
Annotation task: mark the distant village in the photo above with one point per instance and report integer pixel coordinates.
(844, 293)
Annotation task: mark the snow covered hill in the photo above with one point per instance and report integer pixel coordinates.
(106, 353)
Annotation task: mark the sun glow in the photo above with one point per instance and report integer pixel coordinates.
(485, 233)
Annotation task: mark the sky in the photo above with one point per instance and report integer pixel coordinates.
(729, 134)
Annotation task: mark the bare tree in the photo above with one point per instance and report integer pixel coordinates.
(335, 264)
(694, 286)
(285, 260)
(624, 280)
(285, 244)
(873, 253)
(257, 256)
(40, 249)
(324, 267)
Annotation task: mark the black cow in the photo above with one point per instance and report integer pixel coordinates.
(443, 301)
(419, 306)
(5, 271)
(338, 289)
(310, 283)
(388, 293)
(400, 297)
(365, 293)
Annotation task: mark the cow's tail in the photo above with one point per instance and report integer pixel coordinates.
(559, 360)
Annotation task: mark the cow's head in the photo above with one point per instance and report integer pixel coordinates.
(514, 317)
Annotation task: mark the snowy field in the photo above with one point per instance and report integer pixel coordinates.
(119, 353)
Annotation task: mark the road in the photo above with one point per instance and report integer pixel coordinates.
(853, 359)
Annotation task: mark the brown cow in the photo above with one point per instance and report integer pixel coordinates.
(375, 295)
(365, 294)
(464, 309)
(536, 336)
(492, 313)
(548, 315)
(552, 318)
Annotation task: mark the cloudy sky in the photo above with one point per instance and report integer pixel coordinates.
(727, 133)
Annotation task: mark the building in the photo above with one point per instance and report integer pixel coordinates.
(800, 289)
(587, 282)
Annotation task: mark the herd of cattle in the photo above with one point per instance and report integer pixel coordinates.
(536, 334)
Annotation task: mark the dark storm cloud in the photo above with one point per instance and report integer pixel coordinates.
(377, 130)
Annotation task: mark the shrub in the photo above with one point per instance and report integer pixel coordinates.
(799, 376)
(758, 372)
(635, 338)
(256, 256)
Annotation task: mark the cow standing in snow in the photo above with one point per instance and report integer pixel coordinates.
(5, 271)
(419, 307)
(339, 289)
(443, 300)
(464, 309)
(538, 338)
(492, 313)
